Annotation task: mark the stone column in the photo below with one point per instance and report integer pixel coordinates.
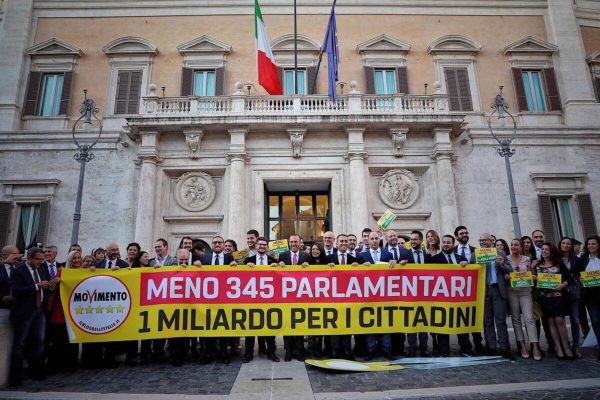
(236, 212)
(144, 219)
(442, 154)
(357, 185)
(575, 84)
(14, 39)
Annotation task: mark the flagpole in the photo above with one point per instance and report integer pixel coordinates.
(295, 51)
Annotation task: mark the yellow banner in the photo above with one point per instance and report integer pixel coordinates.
(146, 303)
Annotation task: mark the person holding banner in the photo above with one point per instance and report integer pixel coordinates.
(294, 345)
(447, 255)
(552, 277)
(520, 301)
(260, 258)
(590, 264)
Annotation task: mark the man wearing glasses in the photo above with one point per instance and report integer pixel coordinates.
(495, 329)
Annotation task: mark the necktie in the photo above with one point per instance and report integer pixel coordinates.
(38, 293)
(109, 264)
(343, 258)
(448, 257)
(295, 259)
(418, 253)
(395, 253)
(261, 261)
(10, 270)
(462, 252)
(51, 270)
(376, 255)
(216, 260)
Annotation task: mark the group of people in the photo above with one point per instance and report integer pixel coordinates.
(29, 289)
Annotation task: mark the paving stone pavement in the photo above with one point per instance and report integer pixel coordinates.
(585, 394)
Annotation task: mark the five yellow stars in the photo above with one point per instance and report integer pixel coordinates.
(100, 310)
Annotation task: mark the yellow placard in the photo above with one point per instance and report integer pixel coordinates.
(591, 278)
(521, 279)
(548, 281)
(278, 246)
(241, 255)
(386, 219)
(486, 255)
(147, 303)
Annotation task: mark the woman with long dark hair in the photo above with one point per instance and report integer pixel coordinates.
(590, 261)
(573, 265)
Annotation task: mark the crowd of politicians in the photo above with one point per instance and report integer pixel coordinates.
(29, 293)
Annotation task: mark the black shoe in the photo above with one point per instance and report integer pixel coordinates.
(205, 359)
(273, 357)
(389, 356)
(300, 357)
(110, 363)
(247, 358)
(224, 358)
(479, 349)
(507, 354)
(288, 357)
(15, 383)
(468, 353)
(176, 362)
(551, 350)
(425, 353)
(131, 361)
(491, 352)
(412, 353)
(262, 352)
(369, 357)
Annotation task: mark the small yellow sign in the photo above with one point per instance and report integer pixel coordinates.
(386, 219)
(548, 281)
(486, 255)
(241, 255)
(521, 279)
(591, 278)
(278, 246)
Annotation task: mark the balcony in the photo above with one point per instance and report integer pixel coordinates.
(241, 109)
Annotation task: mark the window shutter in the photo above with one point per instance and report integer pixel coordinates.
(311, 85)
(588, 221)
(219, 81)
(552, 90)
(187, 81)
(452, 88)
(369, 80)
(464, 89)
(402, 74)
(122, 92)
(33, 93)
(66, 93)
(281, 77)
(135, 87)
(520, 89)
(5, 207)
(545, 204)
(597, 84)
(42, 233)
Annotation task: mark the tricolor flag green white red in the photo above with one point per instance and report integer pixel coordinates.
(267, 71)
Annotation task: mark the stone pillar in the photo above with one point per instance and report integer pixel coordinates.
(358, 210)
(575, 84)
(235, 214)
(144, 219)
(14, 39)
(442, 154)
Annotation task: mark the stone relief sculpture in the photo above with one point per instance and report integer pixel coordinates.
(297, 138)
(195, 191)
(193, 141)
(398, 188)
(398, 140)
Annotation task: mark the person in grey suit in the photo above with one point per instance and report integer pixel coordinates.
(496, 294)
(162, 259)
(294, 345)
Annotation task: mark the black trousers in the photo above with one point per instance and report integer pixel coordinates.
(269, 342)
(293, 344)
(341, 345)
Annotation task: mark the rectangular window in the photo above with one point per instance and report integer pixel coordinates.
(459, 90)
(305, 213)
(127, 98)
(52, 85)
(205, 83)
(562, 217)
(534, 90)
(288, 79)
(385, 81)
(29, 222)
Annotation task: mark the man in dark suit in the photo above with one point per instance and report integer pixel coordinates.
(8, 258)
(294, 345)
(328, 239)
(496, 295)
(416, 255)
(112, 260)
(218, 257)
(29, 285)
(464, 249)
(260, 258)
(396, 250)
(449, 256)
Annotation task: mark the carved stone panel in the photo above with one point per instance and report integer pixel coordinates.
(399, 189)
(195, 191)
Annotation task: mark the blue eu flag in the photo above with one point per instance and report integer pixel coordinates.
(330, 46)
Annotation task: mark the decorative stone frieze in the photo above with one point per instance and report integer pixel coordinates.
(193, 138)
(399, 189)
(297, 140)
(398, 140)
(195, 191)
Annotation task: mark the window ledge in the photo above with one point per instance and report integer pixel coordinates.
(37, 122)
(530, 118)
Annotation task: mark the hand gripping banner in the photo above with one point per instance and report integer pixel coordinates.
(146, 303)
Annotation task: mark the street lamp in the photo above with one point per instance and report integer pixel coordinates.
(500, 111)
(87, 111)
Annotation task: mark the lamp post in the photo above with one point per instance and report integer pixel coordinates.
(87, 111)
(500, 111)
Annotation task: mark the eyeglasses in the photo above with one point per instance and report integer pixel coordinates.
(217, 242)
(485, 240)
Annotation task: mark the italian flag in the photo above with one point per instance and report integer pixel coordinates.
(267, 71)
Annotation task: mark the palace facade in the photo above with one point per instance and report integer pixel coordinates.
(192, 145)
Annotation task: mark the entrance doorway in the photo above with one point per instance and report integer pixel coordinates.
(307, 213)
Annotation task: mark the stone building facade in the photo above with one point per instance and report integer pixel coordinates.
(192, 145)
